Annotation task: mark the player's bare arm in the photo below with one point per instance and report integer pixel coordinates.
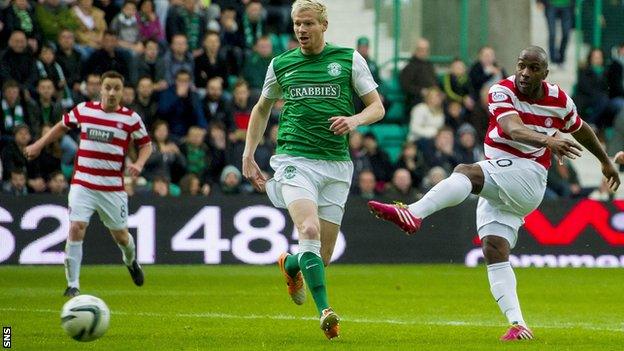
(255, 131)
(619, 158)
(32, 151)
(136, 168)
(586, 136)
(512, 125)
(373, 112)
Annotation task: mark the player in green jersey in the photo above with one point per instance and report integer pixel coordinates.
(312, 166)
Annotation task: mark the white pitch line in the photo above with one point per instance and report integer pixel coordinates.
(585, 326)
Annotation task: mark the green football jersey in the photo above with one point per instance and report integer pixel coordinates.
(315, 88)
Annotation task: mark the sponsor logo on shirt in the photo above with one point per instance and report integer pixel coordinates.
(297, 92)
(498, 97)
(104, 136)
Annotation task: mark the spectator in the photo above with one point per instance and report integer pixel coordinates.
(479, 117)
(379, 159)
(418, 75)
(57, 184)
(126, 26)
(413, 160)
(44, 109)
(360, 159)
(18, 63)
(170, 20)
(564, 11)
(178, 58)
(217, 141)
(253, 25)
(181, 107)
(149, 23)
(615, 76)
(468, 150)
(592, 95)
(454, 115)
(230, 31)
(69, 59)
(91, 91)
(160, 186)
(400, 189)
(54, 16)
(50, 158)
(362, 47)
(166, 159)
(16, 110)
(13, 158)
(151, 65)
(434, 176)
(48, 68)
(442, 152)
(457, 85)
(212, 62)
(110, 7)
(562, 181)
(216, 107)
(366, 185)
(190, 185)
(145, 104)
(16, 186)
(256, 65)
(196, 152)
(21, 16)
(427, 117)
(187, 21)
(485, 71)
(231, 180)
(128, 96)
(109, 58)
(91, 27)
(241, 110)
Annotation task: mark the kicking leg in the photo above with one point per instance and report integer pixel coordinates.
(451, 191)
(73, 257)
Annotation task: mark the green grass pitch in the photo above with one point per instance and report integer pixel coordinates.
(384, 307)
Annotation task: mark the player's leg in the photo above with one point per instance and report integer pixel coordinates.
(81, 204)
(73, 257)
(452, 191)
(113, 211)
(304, 214)
(329, 234)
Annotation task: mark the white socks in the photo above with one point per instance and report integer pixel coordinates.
(128, 251)
(503, 286)
(73, 258)
(449, 192)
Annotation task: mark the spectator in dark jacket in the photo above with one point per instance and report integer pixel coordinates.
(485, 71)
(109, 58)
(592, 95)
(181, 107)
(418, 75)
(15, 110)
(145, 104)
(216, 107)
(379, 159)
(18, 63)
(151, 65)
(13, 158)
(178, 58)
(69, 58)
(212, 62)
(615, 77)
(21, 16)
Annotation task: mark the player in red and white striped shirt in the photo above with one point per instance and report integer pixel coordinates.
(97, 184)
(526, 115)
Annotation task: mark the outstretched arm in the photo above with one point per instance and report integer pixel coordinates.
(586, 136)
(32, 151)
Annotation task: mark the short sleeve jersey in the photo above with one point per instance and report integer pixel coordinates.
(316, 88)
(104, 140)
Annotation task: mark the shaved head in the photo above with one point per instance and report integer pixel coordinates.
(535, 52)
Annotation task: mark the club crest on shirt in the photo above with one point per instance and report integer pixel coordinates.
(289, 172)
(334, 69)
(498, 97)
(548, 122)
(105, 136)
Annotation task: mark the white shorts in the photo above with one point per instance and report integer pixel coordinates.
(513, 188)
(325, 182)
(111, 206)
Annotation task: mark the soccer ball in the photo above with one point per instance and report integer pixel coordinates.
(85, 317)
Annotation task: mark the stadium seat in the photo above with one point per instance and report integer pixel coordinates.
(390, 138)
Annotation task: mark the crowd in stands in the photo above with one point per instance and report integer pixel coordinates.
(194, 71)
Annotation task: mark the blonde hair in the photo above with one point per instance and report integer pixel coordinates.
(315, 6)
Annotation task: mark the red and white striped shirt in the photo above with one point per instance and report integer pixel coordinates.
(104, 140)
(555, 111)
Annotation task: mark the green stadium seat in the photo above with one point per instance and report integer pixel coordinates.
(390, 138)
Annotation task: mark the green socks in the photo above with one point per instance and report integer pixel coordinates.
(291, 264)
(313, 270)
